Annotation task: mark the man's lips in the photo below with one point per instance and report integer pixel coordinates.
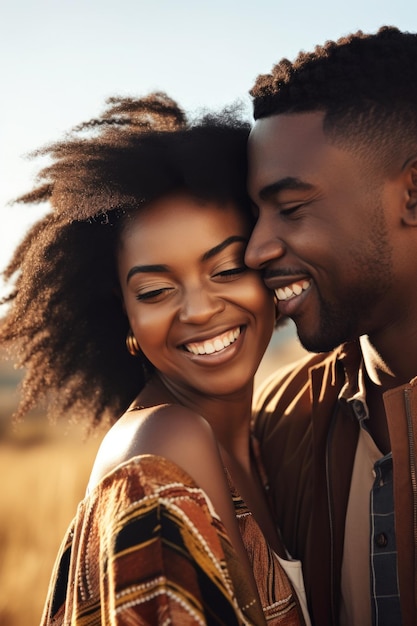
(214, 344)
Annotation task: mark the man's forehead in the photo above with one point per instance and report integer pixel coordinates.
(285, 127)
(288, 147)
(280, 144)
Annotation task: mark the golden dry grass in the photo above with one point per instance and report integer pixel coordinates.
(41, 485)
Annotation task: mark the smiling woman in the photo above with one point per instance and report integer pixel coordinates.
(144, 250)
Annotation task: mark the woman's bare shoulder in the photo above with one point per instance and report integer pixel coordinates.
(168, 430)
(184, 438)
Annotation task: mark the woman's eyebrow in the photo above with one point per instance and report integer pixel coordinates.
(137, 269)
(224, 244)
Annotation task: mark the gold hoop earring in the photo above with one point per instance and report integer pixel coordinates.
(132, 343)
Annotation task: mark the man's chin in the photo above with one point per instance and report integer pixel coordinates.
(318, 343)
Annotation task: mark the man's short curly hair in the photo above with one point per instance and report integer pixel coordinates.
(366, 85)
(64, 314)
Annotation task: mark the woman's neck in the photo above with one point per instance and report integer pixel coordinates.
(229, 415)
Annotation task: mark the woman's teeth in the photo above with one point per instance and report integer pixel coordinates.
(214, 345)
(292, 290)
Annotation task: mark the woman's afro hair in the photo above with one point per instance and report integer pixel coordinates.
(64, 321)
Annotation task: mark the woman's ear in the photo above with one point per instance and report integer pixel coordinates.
(410, 211)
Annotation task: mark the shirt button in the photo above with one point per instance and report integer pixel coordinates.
(381, 540)
(359, 409)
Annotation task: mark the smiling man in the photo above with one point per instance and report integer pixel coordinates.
(333, 178)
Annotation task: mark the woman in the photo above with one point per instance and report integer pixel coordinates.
(144, 249)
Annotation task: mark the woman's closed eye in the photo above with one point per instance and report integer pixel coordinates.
(231, 273)
(153, 295)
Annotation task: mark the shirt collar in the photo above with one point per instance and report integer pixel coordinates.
(353, 392)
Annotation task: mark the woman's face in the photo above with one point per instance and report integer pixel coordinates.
(200, 316)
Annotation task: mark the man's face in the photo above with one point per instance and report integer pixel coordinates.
(322, 236)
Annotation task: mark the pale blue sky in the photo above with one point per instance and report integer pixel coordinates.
(60, 60)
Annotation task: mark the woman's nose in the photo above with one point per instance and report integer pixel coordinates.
(199, 306)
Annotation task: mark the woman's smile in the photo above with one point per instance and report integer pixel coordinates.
(215, 344)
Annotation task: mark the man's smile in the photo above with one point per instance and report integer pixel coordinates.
(292, 290)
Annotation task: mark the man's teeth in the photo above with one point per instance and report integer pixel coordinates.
(214, 345)
(288, 292)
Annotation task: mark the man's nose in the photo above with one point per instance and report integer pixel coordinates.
(199, 306)
(263, 246)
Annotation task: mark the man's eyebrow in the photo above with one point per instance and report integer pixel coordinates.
(224, 244)
(137, 269)
(282, 185)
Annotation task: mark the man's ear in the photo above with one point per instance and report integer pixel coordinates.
(410, 209)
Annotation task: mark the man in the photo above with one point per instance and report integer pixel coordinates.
(333, 178)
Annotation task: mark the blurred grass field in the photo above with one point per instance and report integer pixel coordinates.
(44, 471)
